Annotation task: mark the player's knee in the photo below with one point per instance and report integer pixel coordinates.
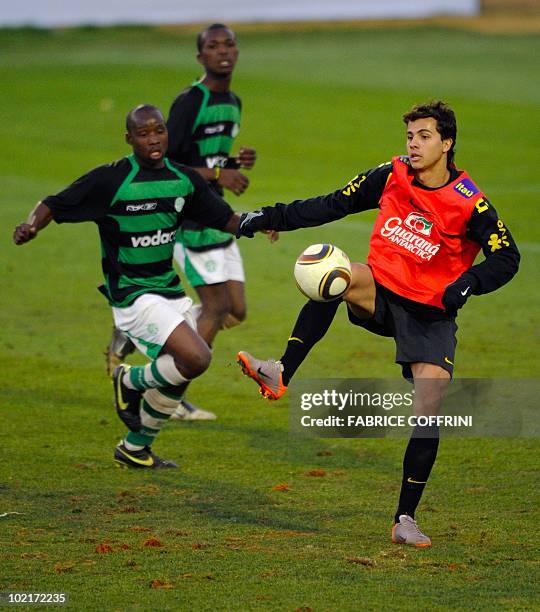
(361, 292)
(201, 364)
(231, 321)
(216, 309)
(238, 312)
(196, 364)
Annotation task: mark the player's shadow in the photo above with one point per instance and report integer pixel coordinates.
(232, 503)
(279, 446)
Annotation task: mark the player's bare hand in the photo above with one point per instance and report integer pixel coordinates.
(272, 235)
(24, 233)
(246, 157)
(233, 180)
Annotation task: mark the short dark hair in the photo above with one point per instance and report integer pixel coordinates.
(201, 35)
(130, 117)
(446, 121)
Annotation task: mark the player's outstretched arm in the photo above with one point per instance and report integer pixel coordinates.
(38, 218)
(363, 192)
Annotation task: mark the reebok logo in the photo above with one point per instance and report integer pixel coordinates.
(155, 239)
(137, 207)
(214, 129)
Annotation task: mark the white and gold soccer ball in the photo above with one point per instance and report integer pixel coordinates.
(323, 272)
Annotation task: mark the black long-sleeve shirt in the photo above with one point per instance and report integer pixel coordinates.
(364, 193)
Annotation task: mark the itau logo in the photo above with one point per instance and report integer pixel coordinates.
(419, 224)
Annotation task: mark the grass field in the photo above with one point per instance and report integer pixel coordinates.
(216, 534)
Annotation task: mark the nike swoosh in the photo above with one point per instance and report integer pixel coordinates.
(121, 403)
(251, 215)
(262, 373)
(147, 462)
(416, 481)
(448, 361)
(464, 293)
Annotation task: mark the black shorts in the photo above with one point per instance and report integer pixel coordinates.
(422, 333)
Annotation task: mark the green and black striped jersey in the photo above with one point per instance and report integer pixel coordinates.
(138, 211)
(202, 126)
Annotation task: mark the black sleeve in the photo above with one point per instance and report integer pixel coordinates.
(182, 117)
(363, 192)
(239, 102)
(205, 207)
(88, 198)
(498, 246)
(231, 161)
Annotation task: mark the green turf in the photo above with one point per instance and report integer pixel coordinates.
(319, 107)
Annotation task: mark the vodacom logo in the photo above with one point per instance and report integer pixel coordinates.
(394, 230)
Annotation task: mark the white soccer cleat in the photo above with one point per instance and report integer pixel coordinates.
(407, 532)
(186, 411)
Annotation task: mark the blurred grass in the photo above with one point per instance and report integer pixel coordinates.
(319, 107)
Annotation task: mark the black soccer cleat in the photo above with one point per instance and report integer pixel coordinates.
(126, 401)
(119, 348)
(141, 459)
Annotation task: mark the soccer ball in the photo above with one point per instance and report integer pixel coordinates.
(322, 272)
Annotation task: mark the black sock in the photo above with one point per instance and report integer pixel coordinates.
(312, 324)
(417, 463)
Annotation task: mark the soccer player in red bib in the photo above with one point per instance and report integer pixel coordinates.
(433, 220)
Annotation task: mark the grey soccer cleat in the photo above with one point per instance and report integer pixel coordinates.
(119, 348)
(267, 374)
(187, 411)
(407, 532)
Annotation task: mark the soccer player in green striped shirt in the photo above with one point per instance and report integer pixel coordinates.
(138, 203)
(204, 121)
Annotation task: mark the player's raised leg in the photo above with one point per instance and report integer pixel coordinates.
(312, 323)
